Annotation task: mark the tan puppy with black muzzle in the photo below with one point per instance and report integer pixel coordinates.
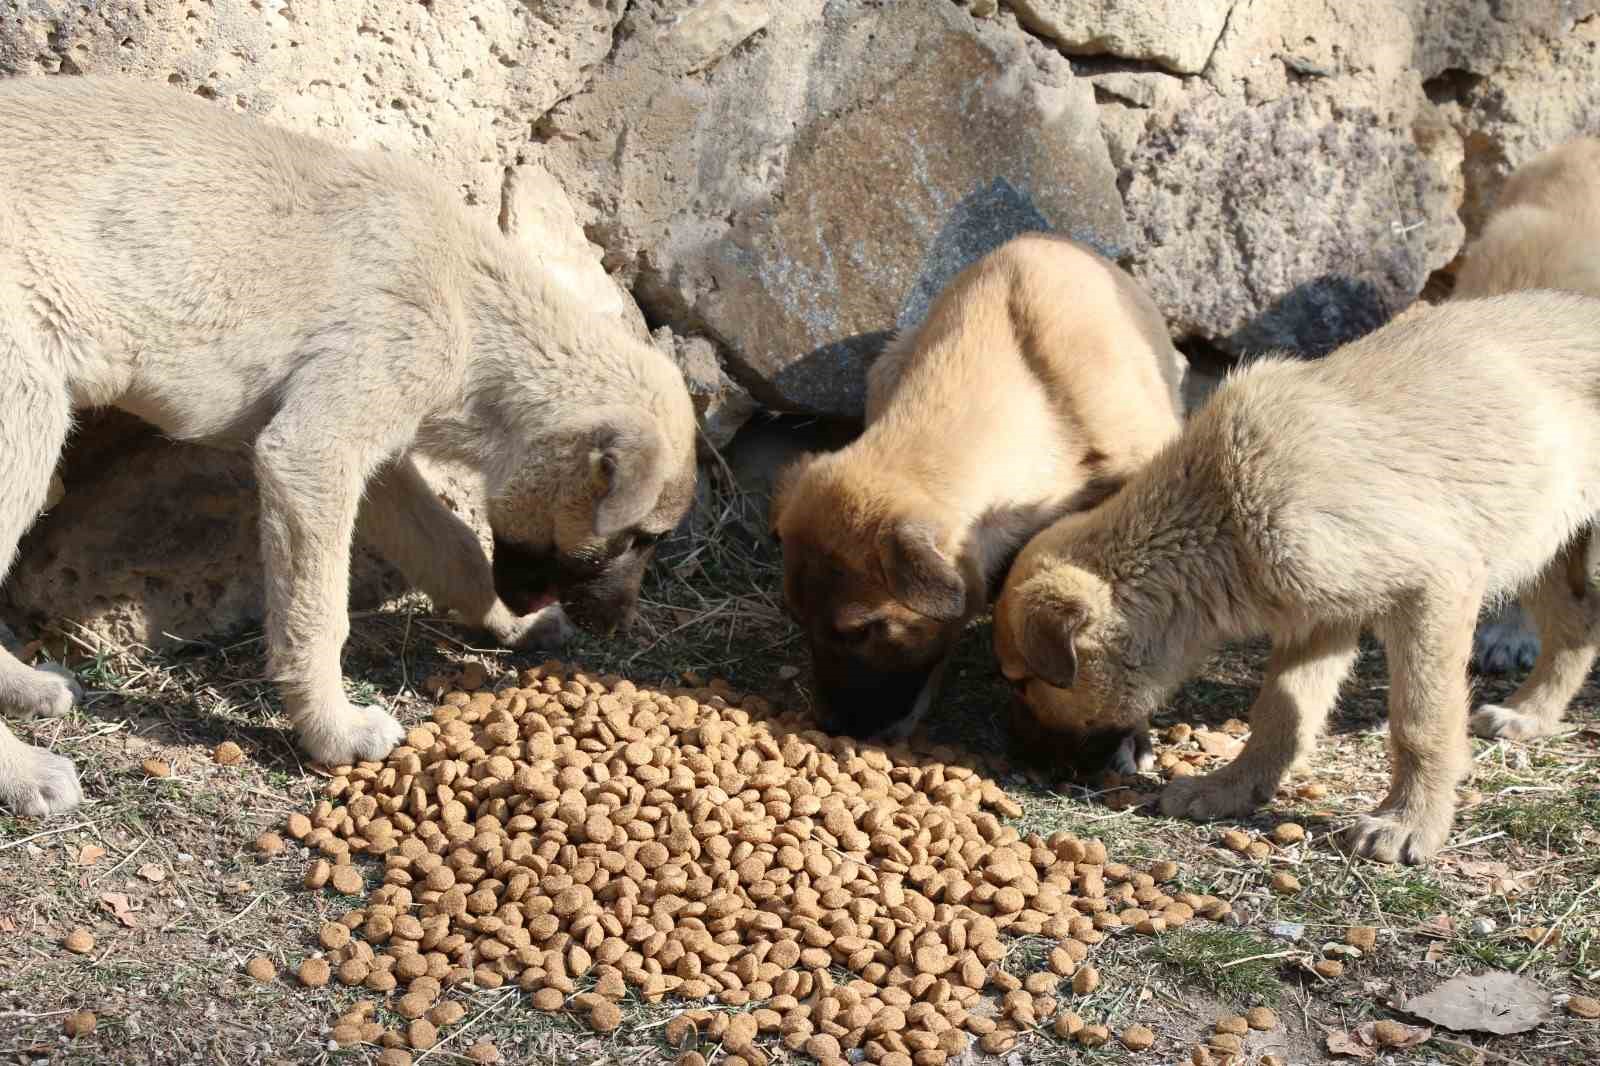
(333, 313)
(1449, 457)
(1041, 378)
(1544, 233)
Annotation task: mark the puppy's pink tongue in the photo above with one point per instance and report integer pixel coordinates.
(540, 602)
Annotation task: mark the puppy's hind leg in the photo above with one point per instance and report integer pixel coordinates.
(1301, 687)
(1429, 642)
(439, 554)
(311, 463)
(35, 416)
(1505, 641)
(1566, 605)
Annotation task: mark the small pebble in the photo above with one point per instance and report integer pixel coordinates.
(1483, 926)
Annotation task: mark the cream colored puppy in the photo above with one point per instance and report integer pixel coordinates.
(1040, 379)
(1544, 234)
(332, 312)
(1447, 458)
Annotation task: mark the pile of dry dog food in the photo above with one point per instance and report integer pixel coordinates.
(584, 839)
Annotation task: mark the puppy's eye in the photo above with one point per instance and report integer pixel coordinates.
(854, 634)
(643, 540)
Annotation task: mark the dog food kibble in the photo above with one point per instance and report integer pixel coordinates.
(1261, 1018)
(1234, 1024)
(261, 969)
(1093, 1036)
(483, 1052)
(1137, 1038)
(79, 1023)
(1390, 1033)
(1285, 883)
(1258, 850)
(1330, 969)
(394, 1057)
(1364, 937)
(585, 841)
(1236, 841)
(1288, 833)
(473, 676)
(1583, 1007)
(313, 973)
(155, 768)
(227, 754)
(269, 844)
(79, 942)
(1273, 1060)
(1227, 1043)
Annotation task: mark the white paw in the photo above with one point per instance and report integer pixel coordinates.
(39, 783)
(546, 629)
(1391, 837)
(1504, 644)
(350, 734)
(48, 691)
(1495, 722)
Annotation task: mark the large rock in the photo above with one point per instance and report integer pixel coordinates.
(798, 194)
(1176, 34)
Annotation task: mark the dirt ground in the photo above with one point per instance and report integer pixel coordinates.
(173, 855)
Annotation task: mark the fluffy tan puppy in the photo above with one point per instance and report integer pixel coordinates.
(1395, 485)
(331, 312)
(1544, 234)
(1040, 379)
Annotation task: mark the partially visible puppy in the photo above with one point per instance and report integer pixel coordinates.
(1041, 378)
(1449, 457)
(1544, 234)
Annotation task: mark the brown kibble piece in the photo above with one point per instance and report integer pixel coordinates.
(79, 1024)
(155, 768)
(422, 1034)
(347, 881)
(314, 973)
(1228, 1043)
(1285, 883)
(446, 1014)
(1329, 968)
(1233, 1024)
(1086, 980)
(1067, 1024)
(1236, 841)
(261, 969)
(605, 1016)
(394, 1057)
(694, 1058)
(483, 1052)
(269, 844)
(1388, 1033)
(1137, 1038)
(1364, 937)
(227, 754)
(80, 941)
(1584, 1007)
(1093, 1036)
(1286, 833)
(1261, 1018)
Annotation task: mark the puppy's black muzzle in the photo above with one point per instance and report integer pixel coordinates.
(1062, 752)
(599, 595)
(857, 700)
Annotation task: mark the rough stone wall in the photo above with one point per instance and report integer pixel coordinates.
(769, 188)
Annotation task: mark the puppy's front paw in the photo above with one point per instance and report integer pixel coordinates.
(546, 629)
(1134, 755)
(350, 734)
(1494, 722)
(1394, 836)
(38, 783)
(47, 691)
(1216, 795)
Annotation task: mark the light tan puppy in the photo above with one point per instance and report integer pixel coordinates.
(1448, 457)
(333, 312)
(1040, 379)
(1544, 234)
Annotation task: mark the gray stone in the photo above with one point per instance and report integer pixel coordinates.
(1177, 34)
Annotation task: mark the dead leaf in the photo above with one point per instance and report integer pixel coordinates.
(90, 854)
(1439, 925)
(121, 910)
(7, 925)
(1480, 870)
(1435, 953)
(1219, 745)
(1491, 1002)
(1409, 1035)
(152, 873)
(1347, 1044)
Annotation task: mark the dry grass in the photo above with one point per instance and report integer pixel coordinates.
(170, 988)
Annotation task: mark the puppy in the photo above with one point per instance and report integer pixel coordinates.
(334, 313)
(1544, 234)
(1040, 379)
(1448, 457)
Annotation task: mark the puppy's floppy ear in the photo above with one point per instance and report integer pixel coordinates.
(627, 461)
(919, 573)
(783, 484)
(1054, 611)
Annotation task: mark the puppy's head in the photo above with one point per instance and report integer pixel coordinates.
(879, 587)
(1062, 645)
(580, 522)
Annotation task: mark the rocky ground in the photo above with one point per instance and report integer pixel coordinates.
(162, 872)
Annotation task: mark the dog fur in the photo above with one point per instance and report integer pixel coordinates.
(1445, 459)
(1543, 234)
(1041, 378)
(332, 312)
